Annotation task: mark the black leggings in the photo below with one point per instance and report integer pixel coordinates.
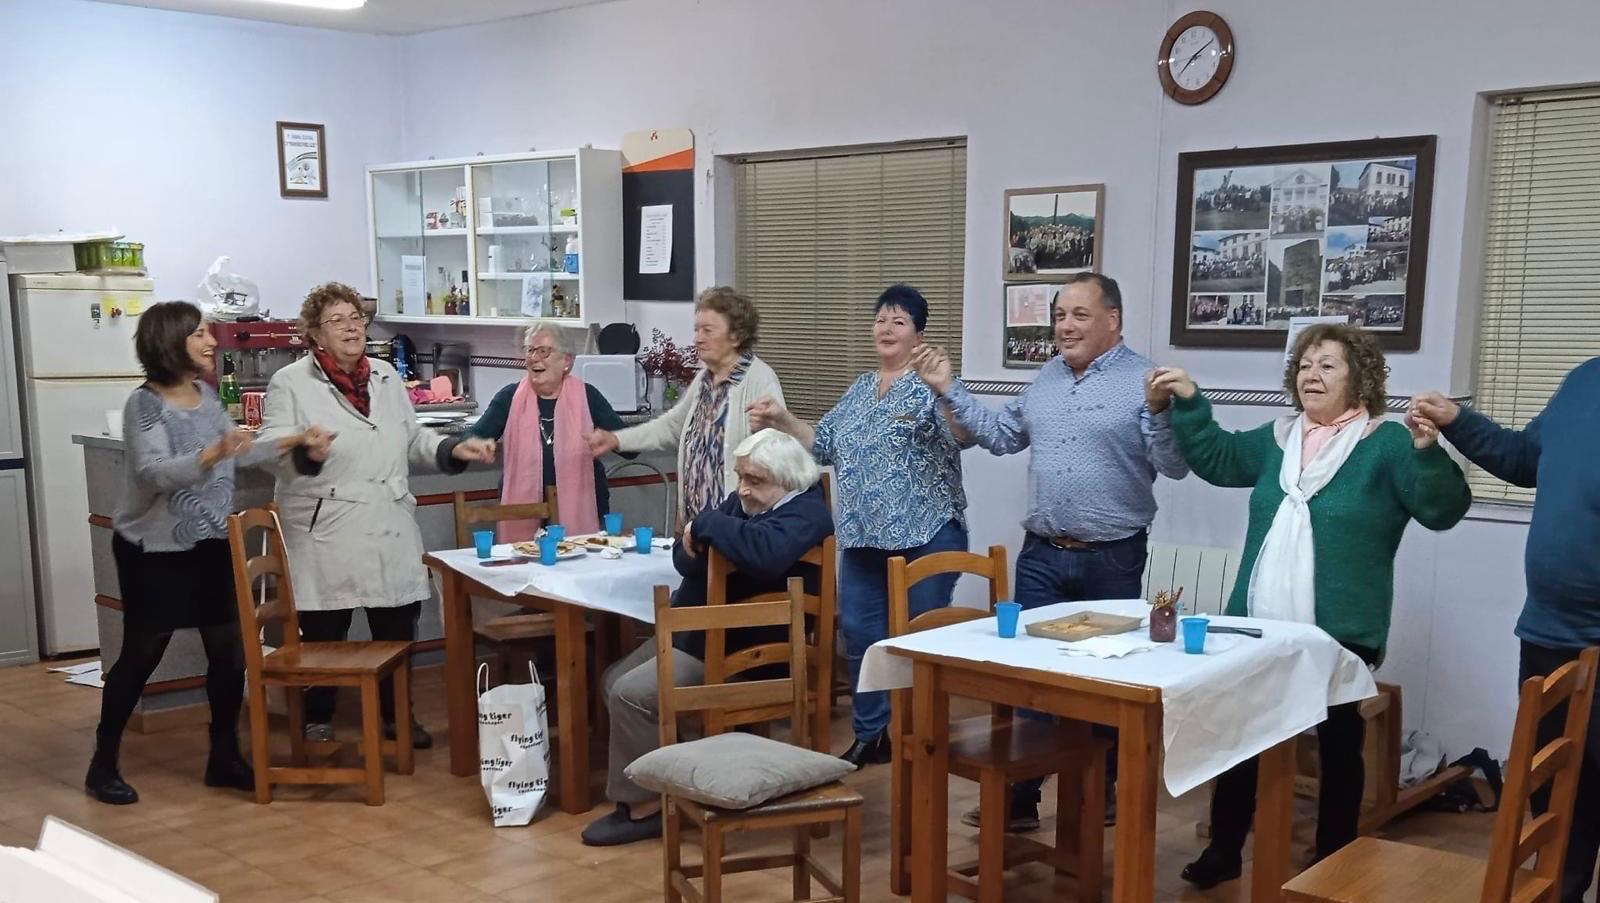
(398, 623)
(141, 653)
(1339, 751)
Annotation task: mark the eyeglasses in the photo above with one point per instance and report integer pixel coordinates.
(341, 321)
(540, 352)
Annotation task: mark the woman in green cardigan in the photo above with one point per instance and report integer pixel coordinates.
(1332, 490)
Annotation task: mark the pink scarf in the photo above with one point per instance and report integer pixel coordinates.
(524, 461)
(1317, 436)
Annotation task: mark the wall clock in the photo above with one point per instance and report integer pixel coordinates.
(1196, 57)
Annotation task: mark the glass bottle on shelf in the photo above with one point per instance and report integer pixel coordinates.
(464, 300)
(228, 390)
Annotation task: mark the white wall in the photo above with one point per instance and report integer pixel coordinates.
(162, 125)
(1052, 92)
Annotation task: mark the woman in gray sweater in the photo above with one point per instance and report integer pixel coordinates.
(170, 539)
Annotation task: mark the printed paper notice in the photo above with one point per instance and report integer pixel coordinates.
(413, 285)
(655, 239)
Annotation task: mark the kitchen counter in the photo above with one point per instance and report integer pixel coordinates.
(176, 691)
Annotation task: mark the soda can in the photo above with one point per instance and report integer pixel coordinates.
(253, 403)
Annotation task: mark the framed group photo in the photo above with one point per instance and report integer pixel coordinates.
(1050, 233)
(1334, 229)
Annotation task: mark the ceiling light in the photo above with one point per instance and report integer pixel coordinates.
(320, 4)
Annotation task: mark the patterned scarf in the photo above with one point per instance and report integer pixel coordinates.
(703, 484)
(353, 386)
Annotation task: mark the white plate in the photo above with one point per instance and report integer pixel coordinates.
(625, 543)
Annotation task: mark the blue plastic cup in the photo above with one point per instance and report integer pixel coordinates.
(613, 524)
(1006, 614)
(547, 550)
(484, 541)
(556, 530)
(642, 537)
(1194, 635)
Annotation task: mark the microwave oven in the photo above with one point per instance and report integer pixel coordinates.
(618, 377)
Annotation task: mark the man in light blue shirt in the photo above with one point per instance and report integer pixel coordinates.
(1098, 438)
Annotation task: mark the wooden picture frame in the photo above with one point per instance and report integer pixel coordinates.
(1336, 228)
(1025, 342)
(302, 160)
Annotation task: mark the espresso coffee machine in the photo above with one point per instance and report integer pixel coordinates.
(259, 348)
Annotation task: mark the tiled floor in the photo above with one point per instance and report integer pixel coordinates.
(433, 840)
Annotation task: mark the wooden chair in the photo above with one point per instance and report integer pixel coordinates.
(995, 751)
(826, 805)
(1378, 871)
(516, 636)
(296, 665)
(821, 615)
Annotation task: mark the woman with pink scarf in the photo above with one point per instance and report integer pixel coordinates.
(543, 423)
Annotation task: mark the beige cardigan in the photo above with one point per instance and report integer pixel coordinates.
(667, 431)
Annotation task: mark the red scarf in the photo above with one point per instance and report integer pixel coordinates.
(353, 386)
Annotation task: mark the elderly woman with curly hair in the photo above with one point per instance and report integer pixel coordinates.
(350, 524)
(708, 422)
(1333, 488)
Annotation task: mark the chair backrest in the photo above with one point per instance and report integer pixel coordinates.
(903, 575)
(468, 516)
(827, 491)
(261, 583)
(716, 695)
(1531, 767)
(1205, 575)
(819, 616)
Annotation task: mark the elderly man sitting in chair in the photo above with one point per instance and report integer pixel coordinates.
(777, 515)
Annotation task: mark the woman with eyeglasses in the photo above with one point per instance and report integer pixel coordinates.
(350, 525)
(545, 421)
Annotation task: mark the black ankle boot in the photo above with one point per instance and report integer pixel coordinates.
(226, 767)
(862, 753)
(103, 782)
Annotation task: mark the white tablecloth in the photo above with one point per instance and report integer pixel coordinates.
(1241, 698)
(624, 586)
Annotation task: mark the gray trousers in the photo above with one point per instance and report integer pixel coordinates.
(632, 701)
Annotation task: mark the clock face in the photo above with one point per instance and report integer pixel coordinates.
(1196, 56)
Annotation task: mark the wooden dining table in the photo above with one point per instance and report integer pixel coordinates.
(1034, 673)
(574, 593)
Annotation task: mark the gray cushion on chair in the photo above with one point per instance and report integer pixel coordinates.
(734, 770)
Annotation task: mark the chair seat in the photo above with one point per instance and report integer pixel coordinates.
(1382, 871)
(513, 628)
(345, 657)
(833, 795)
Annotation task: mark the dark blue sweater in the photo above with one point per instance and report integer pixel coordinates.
(1555, 452)
(764, 550)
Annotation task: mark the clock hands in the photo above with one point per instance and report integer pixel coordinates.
(1196, 56)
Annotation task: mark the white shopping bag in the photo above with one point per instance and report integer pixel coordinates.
(513, 748)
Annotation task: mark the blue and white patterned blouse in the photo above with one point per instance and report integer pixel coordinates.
(897, 462)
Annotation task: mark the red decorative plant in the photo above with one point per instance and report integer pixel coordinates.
(665, 359)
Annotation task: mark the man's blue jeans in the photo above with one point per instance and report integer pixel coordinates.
(1047, 575)
(864, 611)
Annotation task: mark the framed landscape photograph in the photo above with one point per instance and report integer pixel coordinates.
(302, 160)
(1053, 232)
(1266, 234)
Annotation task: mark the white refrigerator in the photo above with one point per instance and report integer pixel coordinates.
(75, 349)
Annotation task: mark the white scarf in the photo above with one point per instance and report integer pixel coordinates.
(1283, 582)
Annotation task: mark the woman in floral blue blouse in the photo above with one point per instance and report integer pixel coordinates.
(898, 463)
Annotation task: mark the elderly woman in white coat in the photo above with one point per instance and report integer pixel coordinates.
(350, 525)
(709, 422)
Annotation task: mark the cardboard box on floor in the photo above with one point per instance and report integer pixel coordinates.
(70, 865)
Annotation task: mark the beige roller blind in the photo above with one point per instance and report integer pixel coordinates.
(1541, 267)
(820, 235)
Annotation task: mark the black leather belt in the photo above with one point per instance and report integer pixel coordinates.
(1073, 544)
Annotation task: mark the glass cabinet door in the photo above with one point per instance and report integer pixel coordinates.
(527, 255)
(422, 248)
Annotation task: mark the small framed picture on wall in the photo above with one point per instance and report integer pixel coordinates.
(1053, 232)
(302, 160)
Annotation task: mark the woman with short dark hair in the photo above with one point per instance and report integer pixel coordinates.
(1333, 488)
(898, 460)
(170, 542)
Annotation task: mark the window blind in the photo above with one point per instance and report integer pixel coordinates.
(1541, 269)
(819, 236)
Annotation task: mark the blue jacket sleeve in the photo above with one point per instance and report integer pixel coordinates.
(765, 548)
(492, 425)
(1511, 455)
